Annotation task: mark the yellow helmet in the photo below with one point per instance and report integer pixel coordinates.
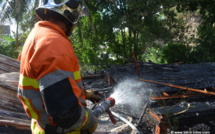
(66, 10)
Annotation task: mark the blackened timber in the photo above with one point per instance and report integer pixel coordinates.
(180, 87)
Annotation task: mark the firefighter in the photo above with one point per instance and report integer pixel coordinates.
(50, 86)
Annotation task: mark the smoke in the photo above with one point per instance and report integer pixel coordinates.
(131, 93)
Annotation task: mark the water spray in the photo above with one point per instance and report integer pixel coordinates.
(132, 93)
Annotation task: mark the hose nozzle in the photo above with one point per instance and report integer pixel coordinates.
(112, 101)
(104, 107)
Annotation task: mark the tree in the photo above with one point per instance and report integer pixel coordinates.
(14, 9)
(123, 27)
(204, 49)
(6, 47)
(176, 53)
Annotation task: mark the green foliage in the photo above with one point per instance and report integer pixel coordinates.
(14, 10)
(29, 18)
(114, 30)
(173, 53)
(204, 7)
(153, 54)
(204, 52)
(7, 46)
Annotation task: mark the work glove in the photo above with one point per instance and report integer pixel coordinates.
(94, 96)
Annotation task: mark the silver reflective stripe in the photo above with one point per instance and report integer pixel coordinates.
(36, 101)
(53, 78)
(34, 96)
(75, 126)
(80, 85)
(83, 102)
(44, 117)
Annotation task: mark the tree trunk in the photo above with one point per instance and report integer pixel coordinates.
(80, 35)
(18, 11)
(17, 34)
(123, 41)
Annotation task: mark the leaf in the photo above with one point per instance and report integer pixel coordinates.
(9, 39)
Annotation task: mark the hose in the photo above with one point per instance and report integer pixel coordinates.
(126, 121)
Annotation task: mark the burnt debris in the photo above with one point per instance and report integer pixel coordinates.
(154, 98)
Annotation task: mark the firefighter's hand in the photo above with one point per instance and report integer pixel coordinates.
(94, 96)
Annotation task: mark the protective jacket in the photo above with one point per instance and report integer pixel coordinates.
(50, 86)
